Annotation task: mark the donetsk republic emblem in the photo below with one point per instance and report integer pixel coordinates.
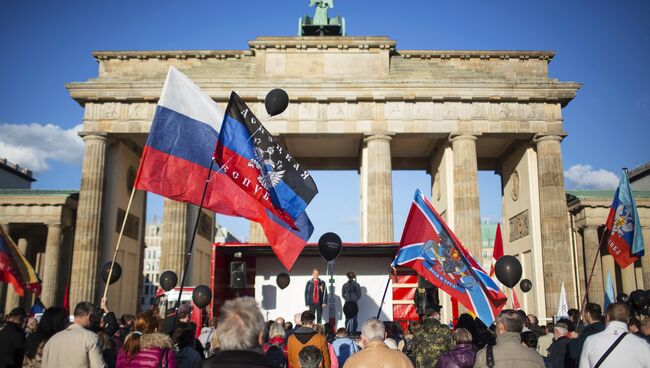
(622, 221)
(270, 173)
(450, 259)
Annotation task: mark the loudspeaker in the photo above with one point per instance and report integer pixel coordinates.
(237, 275)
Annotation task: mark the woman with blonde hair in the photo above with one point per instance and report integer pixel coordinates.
(145, 347)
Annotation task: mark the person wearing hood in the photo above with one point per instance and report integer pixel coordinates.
(433, 340)
(12, 339)
(145, 347)
(462, 355)
(186, 356)
(306, 335)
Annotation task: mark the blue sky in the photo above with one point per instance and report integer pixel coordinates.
(603, 44)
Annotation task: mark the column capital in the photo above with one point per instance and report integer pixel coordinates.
(87, 136)
(377, 136)
(463, 136)
(549, 137)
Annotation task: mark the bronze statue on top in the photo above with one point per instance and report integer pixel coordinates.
(320, 24)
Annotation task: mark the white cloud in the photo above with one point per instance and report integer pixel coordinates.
(586, 177)
(35, 146)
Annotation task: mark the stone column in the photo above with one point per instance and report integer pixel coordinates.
(609, 266)
(556, 246)
(628, 277)
(591, 245)
(13, 299)
(467, 214)
(174, 236)
(84, 280)
(378, 191)
(256, 234)
(52, 266)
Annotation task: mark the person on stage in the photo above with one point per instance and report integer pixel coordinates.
(316, 295)
(351, 295)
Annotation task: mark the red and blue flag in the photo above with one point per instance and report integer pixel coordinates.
(177, 159)
(14, 267)
(260, 166)
(625, 242)
(430, 248)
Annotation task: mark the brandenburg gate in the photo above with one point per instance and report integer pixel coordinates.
(357, 103)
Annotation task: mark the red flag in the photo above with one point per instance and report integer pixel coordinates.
(515, 300)
(14, 267)
(497, 252)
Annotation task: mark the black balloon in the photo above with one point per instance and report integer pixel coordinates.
(329, 246)
(201, 296)
(525, 285)
(276, 101)
(282, 280)
(622, 298)
(117, 272)
(168, 280)
(508, 271)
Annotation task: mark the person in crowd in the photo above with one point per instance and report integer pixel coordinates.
(576, 324)
(351, 295)
(276, 346)
(316, 295)
(508, 351)
(483, 337)
(145, 346)
(635, 326)
(462, 355)
(205, 337)
(406, 345)
(529, 339)
(310, 357)
(106, 331)
(184, 319)
(185, 355)
(615, 346)
(306, 335)
(343, 346)
(12, 339)
(558, 354)
(425, 301)
(77, 345)
(53, 320)
(524, 317)
(432, 340)
(280, 320)
(334, 363)
(296, 320)
(375, 353)
(592, 316)
(288, 328)
(467, 322)
(31, 326)
(532, 322)
(645, 328)
(240, 333)
(544, 342)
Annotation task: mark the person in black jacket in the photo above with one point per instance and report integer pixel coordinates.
(12, 340)
(316, 295)
(558, 354)
(593, 317)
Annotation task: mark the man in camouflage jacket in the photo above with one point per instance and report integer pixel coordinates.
(433, 340)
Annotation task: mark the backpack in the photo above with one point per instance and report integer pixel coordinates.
(276, 357)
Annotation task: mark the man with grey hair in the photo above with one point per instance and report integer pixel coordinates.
(375, 353)
(240, 332)
(508, 351)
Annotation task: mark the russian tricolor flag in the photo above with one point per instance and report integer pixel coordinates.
(430, 248)
(177, 159)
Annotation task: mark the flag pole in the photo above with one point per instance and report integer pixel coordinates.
(119, 241)
(591, 274)
(383, 297)
(188, 256)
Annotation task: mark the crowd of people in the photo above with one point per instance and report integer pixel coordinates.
(241, 338)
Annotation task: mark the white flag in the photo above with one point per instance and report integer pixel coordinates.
(563, 307)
